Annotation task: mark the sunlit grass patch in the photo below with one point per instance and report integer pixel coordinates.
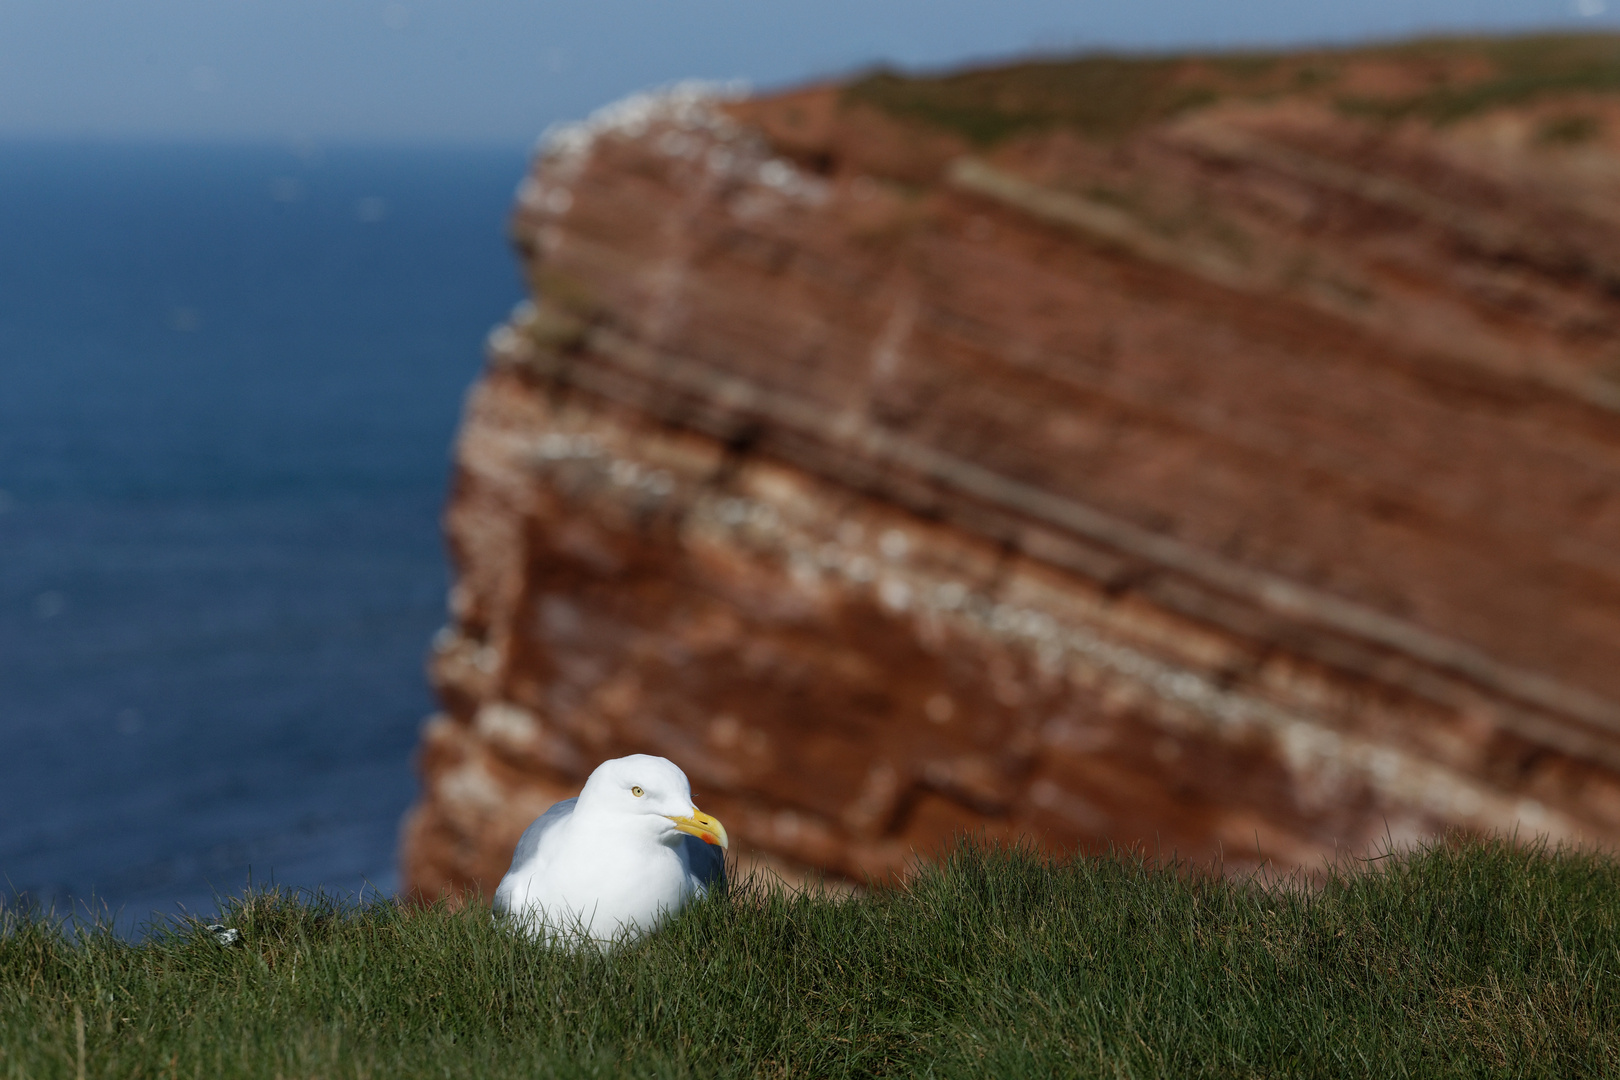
(1108, 96)
(1477, 959)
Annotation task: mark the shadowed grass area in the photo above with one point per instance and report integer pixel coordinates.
(1103, 97)
(1505, 72)
(1475, 959)
(1108, 96)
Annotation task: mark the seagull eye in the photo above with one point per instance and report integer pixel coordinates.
(637, 792)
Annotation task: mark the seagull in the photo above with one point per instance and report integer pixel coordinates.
(612, 863)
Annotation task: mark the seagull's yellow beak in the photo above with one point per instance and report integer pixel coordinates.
(702, 826)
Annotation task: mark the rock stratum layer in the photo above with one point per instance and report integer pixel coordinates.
(1215, 454)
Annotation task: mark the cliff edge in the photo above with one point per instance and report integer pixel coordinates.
(1215, 453)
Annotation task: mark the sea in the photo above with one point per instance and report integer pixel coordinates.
(230, 377)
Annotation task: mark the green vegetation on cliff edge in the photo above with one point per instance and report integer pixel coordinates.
(1109, 96)
(1476, 959)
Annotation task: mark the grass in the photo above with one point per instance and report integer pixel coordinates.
(1109, 96)
(1471, 959)
(1103, 97)
(1516, 71)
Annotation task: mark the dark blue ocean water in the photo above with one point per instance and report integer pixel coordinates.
(229, 380)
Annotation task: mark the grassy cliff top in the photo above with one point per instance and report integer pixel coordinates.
(1107, 96)
(1475, 959)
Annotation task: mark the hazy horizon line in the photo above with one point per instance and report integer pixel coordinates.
(299, 142)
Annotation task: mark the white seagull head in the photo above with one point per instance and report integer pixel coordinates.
(647, 794)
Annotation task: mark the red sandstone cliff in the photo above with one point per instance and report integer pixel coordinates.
(1220, 454)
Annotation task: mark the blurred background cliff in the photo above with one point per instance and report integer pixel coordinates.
(1216, 453)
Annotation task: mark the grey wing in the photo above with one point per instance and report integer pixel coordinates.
(706, 861)
(529, 842)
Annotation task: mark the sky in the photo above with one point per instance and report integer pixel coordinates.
(500, 71)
